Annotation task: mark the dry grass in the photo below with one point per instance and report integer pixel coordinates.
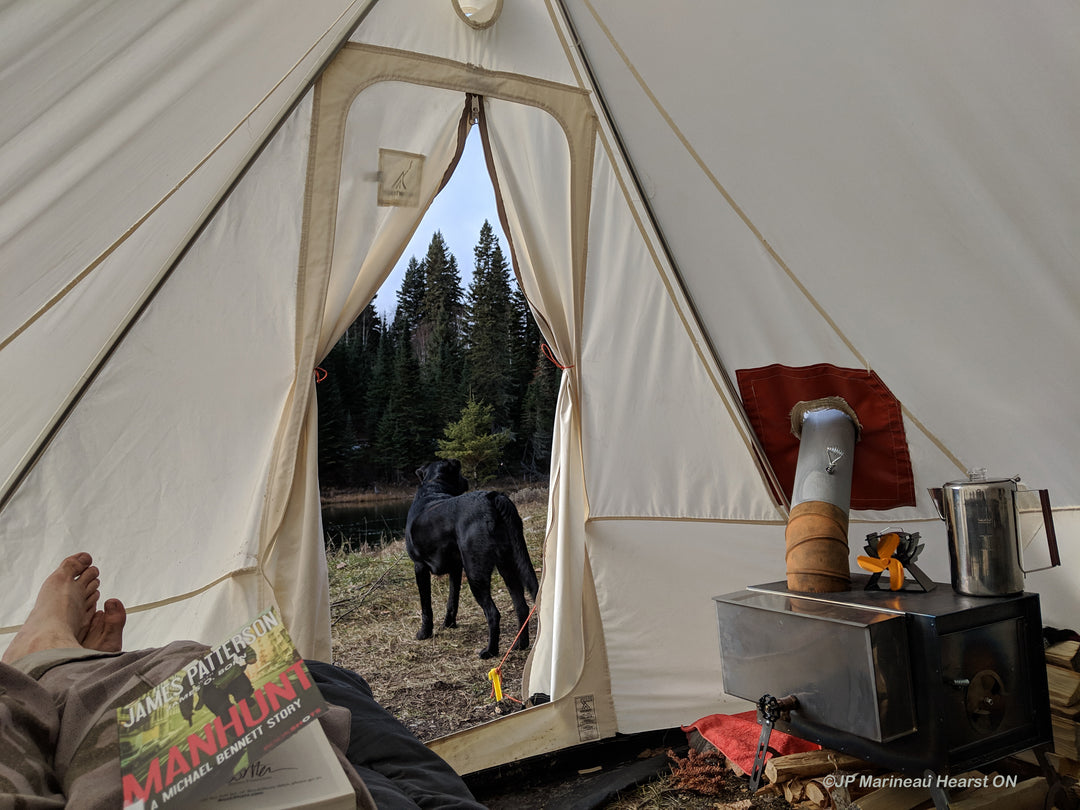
(439, 685)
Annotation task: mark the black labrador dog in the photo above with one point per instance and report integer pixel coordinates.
(449, 529)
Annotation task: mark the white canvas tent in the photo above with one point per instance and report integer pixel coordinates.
(190, 217)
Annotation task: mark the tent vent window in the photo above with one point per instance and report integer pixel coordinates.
(478, 13)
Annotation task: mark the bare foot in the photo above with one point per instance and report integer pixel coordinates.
(63, 614)
(106, 630)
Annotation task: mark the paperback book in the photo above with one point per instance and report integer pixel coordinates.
(302, 772)
(217, 718)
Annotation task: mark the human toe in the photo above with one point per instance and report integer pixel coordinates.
(76, 565)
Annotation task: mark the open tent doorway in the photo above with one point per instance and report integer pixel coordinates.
(449, 328)
(541, 143)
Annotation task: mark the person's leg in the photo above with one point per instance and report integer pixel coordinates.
(29, 726)
(382, 746)
(64, 614)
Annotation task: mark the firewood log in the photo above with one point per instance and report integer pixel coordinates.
(809, 763)
(1066, 737)
(816, 792)
(1027, 795)
(1066, 654)
(1064, 686)
(794, 790)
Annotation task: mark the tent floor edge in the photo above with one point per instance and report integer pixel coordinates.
(581, 776)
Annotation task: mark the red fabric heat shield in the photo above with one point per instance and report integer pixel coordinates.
(881, 476)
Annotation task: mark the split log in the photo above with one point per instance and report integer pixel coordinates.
(1027, 795)
(1066, 654)
(1066, 737)
(810, 763)
(1064, 686)
(794, 790)
(894, 798)
(905, 792)
(768, 790)
(820, 795)
(1067, 767)
(1068, 712)
(1063, 765)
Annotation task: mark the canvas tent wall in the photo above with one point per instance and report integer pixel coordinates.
(691, 191)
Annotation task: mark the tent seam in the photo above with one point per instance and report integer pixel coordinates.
(108, 251)
(671, 519)
(33, 455)
(694, 331)
(748, 222)
(735, 207)
(719, 385)
(172, 600)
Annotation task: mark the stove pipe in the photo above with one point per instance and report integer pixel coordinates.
(816, 535)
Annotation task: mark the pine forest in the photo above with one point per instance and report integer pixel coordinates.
(454, 374)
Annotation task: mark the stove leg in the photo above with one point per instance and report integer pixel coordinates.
(939, 794)
(941, 798)
(759, 758)
(770, 710)
(1057, 795)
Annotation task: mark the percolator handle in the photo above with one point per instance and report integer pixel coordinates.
(1051, 536)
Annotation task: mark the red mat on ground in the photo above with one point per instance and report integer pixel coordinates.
(737, 735)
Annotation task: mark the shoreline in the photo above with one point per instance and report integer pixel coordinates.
(353, 497)
(378, 493)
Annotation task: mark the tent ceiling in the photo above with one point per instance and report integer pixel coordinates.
(691, 191)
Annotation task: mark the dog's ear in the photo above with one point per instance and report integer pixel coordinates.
(420, 472)
(457, 463)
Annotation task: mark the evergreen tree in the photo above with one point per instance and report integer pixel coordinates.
(491, 333)
(392, 389)
(369, 329)
(410, 298)
(438, 336)
(473, 441)
(526, 350)
(378, 390)
(527, 340)
(365, 330)
(403, 439)
(357, 351)
(336, 438)
(343, 400)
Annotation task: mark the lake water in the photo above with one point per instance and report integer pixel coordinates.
(354, 526)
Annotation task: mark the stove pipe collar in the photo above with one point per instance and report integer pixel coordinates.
(816, 534)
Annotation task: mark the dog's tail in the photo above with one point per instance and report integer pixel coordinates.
(511, 524)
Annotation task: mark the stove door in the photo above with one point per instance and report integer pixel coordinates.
(985, 676)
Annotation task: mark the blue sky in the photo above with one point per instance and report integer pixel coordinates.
(458, 212)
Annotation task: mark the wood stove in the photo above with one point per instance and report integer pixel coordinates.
(911, 681)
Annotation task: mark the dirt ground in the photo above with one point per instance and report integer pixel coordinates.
(439, 685)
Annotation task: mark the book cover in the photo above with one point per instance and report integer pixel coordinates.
(216, 716)
(302, 772)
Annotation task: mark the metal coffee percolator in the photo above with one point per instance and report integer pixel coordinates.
(987, 520)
